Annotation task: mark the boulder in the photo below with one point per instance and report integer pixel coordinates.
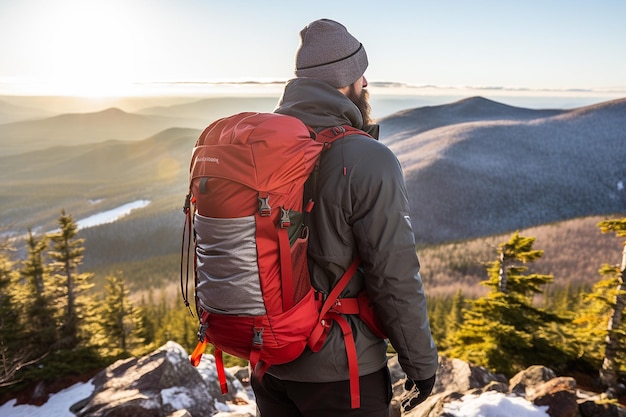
(157, 385)
(180, 413)
(164, 384)
(559, 394)
(524, 382)
(594, 409)
(454, 379)
(455, 375)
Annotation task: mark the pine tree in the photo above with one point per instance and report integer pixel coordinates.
(454, 318)
(589, 327)
(39, 316)
(172, 323)
(119, 321)
(67, 254)
(147, 326)
(12, 357)
(615, 340)
(438, 309)
(503, 331)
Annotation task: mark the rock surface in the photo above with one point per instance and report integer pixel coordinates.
(164, 384)
(161, 384)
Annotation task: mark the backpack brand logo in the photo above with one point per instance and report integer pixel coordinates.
(208, 159)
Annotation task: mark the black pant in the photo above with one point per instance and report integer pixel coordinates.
(278, 398)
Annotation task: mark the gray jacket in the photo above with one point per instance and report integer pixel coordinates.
(364, 212)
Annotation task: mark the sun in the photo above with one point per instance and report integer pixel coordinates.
(88, 48)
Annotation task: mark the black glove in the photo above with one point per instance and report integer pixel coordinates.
(417, 392)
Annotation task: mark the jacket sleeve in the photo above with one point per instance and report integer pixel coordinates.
(382, 229)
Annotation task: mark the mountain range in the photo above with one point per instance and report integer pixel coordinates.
(477, 167)
(473, 168)
(68, 129)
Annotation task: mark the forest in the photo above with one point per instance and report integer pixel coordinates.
(56, 324)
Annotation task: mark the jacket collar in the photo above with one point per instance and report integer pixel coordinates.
(318, 104)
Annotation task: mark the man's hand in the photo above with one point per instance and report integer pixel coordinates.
(417, 392)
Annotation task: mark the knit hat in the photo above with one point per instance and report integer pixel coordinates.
(329, 53)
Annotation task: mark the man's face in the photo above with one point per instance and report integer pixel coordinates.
(360, 97)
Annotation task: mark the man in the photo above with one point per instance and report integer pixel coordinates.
(361, 209)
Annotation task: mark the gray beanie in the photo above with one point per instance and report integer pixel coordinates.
(329, 53)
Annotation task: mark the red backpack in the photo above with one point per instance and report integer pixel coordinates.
(253, 293)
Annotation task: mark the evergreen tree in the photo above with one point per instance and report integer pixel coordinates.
(67, 254)
(172, 323)
(454, 318)
(39, 318)
(503, 331)
(147, 327)
(589, 330)
(119, 321)
(12, 357)
(615, 340)
(437, 313)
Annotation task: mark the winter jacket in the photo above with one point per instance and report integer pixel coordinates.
(364, 212)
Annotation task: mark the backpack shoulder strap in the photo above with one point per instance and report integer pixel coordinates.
(326, 137)
(330, 134)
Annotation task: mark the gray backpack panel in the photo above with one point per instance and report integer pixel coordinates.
(228, 274)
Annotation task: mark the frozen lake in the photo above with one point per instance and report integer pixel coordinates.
(112, 215)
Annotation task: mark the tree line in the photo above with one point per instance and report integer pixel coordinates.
(508, 329)
(53, 323)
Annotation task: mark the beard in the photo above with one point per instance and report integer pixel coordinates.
(362, 103)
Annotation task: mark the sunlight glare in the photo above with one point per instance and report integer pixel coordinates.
(90, 48)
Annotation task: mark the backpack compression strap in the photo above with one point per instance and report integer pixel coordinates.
(268, 231)
(197, 353)
(319, 332)
(332, 311)
(185, 256)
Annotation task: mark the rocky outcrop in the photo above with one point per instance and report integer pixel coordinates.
(559, 394)
(161, 384)
(459, 381)
(164, 384)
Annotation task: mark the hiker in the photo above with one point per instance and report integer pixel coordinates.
(361, 209)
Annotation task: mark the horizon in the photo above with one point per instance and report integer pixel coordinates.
(118, 48)
(273, 87)
(386, 98)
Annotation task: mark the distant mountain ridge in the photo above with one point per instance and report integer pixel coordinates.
(207, 110)
(473, 168)
(113, 123)
(11, 112)
(35, 186)
(467, 110)
(82, 128)
(516, 168)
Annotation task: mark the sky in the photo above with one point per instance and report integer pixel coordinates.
(106, 47)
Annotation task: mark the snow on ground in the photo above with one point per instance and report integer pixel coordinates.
(57, 406)
(494, 404)
(489, 404)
